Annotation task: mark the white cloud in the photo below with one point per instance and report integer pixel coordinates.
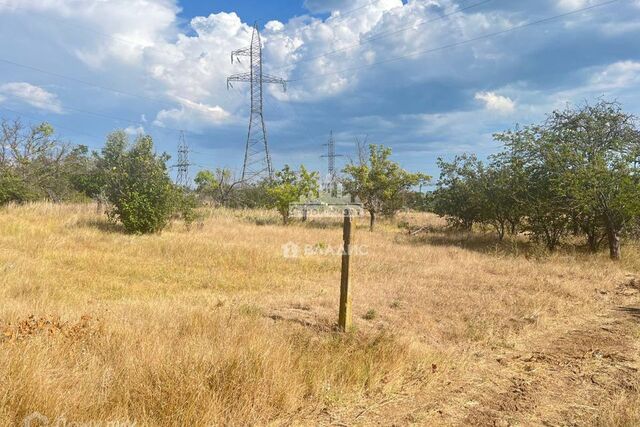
(134, 130)
(187, 70)
(572, 4)
(495, 102)
(103, 29)
(192, 116)
(274, 26)
(617, 75)
(32, 95)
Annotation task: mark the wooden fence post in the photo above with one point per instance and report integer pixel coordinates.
(344, 315)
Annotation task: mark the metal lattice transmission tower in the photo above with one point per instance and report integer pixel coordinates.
(183, 162)
(331, 161)
(257, 161)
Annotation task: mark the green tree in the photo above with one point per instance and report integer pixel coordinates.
(543, 195)
(503, 184)
(378, 182)
(290, 186)
(138, 187)
(600, 148)
(35, 165)
(14, 189)
(219, 186)
(459, 191)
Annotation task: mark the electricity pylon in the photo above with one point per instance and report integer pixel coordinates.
(331, 160)
(257, 161)
(183, 162)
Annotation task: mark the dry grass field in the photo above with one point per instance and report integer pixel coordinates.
(213, 325)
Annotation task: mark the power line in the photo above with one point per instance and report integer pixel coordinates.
(257, 161)
(343, 15)
(385, 34)
(106, 88)
(19, 114)
(92, 30)
(460, 43)
(158, 101)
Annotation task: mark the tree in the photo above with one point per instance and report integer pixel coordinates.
(219, 186)
(459, 192)
(35, 165)
(379, 182)
(600, 145)
(541, 192)
(137, 185)
(290, 186)
(503, 183)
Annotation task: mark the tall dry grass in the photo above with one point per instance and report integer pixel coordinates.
(213, 325)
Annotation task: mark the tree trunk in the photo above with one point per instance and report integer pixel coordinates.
(614, 243)
(500, 229)
(592, 242)
(372, 222)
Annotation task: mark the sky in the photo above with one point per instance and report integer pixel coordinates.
(429, 78)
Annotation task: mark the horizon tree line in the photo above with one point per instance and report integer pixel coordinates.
(575, 174)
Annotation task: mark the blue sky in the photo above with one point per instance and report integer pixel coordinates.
(402, 73)
(250, 10)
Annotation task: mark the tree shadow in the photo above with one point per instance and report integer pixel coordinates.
(486, 243)
(632, 311)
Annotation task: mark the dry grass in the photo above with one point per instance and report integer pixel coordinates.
(214, 326)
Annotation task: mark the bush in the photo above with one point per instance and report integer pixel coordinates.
(138, 187)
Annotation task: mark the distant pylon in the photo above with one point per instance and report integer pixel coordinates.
(183, 162)
(332, 184)
(257, 161)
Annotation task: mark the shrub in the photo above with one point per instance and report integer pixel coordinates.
(138, 187)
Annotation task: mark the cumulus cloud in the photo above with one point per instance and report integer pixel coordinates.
(134, 130)
(339, 67)
(617, 76)
(495, 102)
(31, 95)
(193, 116)
(109, 29)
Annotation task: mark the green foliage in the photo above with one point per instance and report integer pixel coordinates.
(379, 183)
(600, 167)
(186, 205)
(34, 165)
(419, 201)
(137, 185)
(576, 173)
(544, 196)
(13, 189)
(458, 194)
(289, 187)
(220, 187)
(206, 183)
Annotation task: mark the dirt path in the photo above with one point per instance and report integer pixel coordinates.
(574, 379)
(569, 381)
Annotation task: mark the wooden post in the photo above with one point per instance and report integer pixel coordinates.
(344, 315)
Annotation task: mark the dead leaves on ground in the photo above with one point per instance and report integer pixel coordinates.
(49, 326)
